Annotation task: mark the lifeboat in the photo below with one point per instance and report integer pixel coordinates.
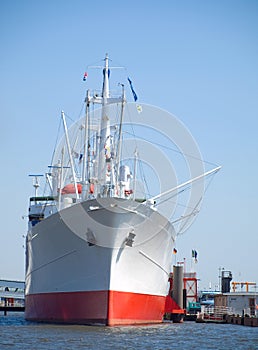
(70, 189)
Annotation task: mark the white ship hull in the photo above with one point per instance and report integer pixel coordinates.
(103, 261)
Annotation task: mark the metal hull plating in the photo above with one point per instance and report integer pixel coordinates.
(102, 261)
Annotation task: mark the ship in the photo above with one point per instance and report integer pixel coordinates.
(98, 252)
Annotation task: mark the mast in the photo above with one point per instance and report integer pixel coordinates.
(119, 144)
(105, 144)
(36, 184)
(60, 180)
(70, 155)
(105, 161)
(85, 167)
(106, 72)
(134, 172)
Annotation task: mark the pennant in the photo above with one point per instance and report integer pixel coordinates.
(139, 108)
(133, 92)
(85, 76)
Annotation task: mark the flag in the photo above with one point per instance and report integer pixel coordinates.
(194, 255)
(139, 108)
(85, 76)
(174, 250)
(133, 92)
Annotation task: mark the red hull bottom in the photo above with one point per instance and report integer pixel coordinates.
(108, 308)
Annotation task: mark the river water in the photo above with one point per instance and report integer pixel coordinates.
(16, 333)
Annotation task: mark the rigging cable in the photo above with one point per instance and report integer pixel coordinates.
(174, 150)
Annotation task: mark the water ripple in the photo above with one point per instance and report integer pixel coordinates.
(16, 333)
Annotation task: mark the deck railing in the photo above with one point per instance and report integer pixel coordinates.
(216, 313)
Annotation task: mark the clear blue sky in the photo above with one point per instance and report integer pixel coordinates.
(198, 59)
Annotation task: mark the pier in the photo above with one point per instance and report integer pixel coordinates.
(14, 308)
(11, 296)
(221, 314)
(242, 320)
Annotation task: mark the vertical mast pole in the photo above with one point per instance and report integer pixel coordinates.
(119, 146)
(36, 186)
(60, 180)
(70, 155)
(134, 172)
(105, 126)
(85, 149)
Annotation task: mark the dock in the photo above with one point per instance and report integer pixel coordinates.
(7, 309)
(12, 297)
(220, 314)
(242, 320)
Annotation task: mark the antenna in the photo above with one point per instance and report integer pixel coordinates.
(36, 184)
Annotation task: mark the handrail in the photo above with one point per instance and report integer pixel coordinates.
(216, 312)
